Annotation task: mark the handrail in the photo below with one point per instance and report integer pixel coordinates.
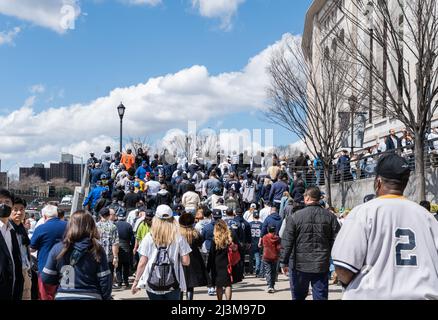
(363, 168)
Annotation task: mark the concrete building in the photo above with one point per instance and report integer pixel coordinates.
(68, 171)
(3, 179)
(326, 25)
(67, 158)
(37, 170)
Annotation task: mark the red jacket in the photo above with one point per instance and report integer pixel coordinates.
(271, 247)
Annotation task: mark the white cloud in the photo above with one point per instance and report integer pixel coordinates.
(222, 9)
(58, 15)
(29, 102)
(152, 107)
(37, 88)
(7, 37)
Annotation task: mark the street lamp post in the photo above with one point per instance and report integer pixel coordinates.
(121, 110)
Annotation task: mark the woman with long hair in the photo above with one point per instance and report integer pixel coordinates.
(163, 253)
(218, 261)
(79, 264)
(195, 273)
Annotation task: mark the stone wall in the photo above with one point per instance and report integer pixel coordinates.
(351, 194)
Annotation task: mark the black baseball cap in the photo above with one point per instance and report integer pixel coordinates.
(217, 214)
(393, 167)
(369, 197)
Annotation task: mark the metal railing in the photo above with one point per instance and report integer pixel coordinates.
(80, 192)
(364, 166)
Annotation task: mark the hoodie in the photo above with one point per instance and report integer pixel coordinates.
(277, 191)
(86, 279)
(271, 247)
(273, 219)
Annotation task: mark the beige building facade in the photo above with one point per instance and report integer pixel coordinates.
(326, 24)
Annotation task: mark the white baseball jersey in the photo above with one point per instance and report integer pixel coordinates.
(391, 244)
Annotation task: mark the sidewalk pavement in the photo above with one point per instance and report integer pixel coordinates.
(250, 288)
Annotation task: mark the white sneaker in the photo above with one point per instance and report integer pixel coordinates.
(271, 290)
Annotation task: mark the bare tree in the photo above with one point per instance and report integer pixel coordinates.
(65, 186)
(401, 37)
(307, 95)
(28, 183)
(139, 143)
(286, 152)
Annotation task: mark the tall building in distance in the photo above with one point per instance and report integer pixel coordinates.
(66, 169)
(67, 158)
(3, 177)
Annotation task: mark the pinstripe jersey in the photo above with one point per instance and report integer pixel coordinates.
(391, 244)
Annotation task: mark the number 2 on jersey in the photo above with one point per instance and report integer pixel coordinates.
(405, 246)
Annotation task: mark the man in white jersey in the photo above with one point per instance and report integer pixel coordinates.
(387, 249)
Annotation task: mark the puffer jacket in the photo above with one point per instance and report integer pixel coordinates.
(308, 239)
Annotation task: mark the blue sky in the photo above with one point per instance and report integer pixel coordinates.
(115, 45)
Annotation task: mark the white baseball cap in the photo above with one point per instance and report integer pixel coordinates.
(164, 212)
(254, 206)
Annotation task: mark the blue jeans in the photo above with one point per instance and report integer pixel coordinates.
(318, 177)
(173, 295)
(271, 269)
(258, 262)
(299, 283)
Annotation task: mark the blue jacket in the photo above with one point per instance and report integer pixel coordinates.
(85, 280)
(277, 191)
(45, 237)
(141, 172)
(208, 234)
(95, 175)
(273, 219)
(344, 163)
(94, 196)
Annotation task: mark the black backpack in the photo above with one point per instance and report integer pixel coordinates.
(162, 276)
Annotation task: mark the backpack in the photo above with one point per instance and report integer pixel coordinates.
(162, 276)
(119, 210)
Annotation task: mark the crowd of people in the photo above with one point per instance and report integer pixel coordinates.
(178, 226)
(351, 166)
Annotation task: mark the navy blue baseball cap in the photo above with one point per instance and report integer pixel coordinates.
(393, 167)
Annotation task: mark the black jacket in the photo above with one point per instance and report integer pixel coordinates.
(196, 273)
(390, 145)
(308, 239)
(8, 291)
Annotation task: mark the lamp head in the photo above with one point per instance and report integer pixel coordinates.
(121, 110)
